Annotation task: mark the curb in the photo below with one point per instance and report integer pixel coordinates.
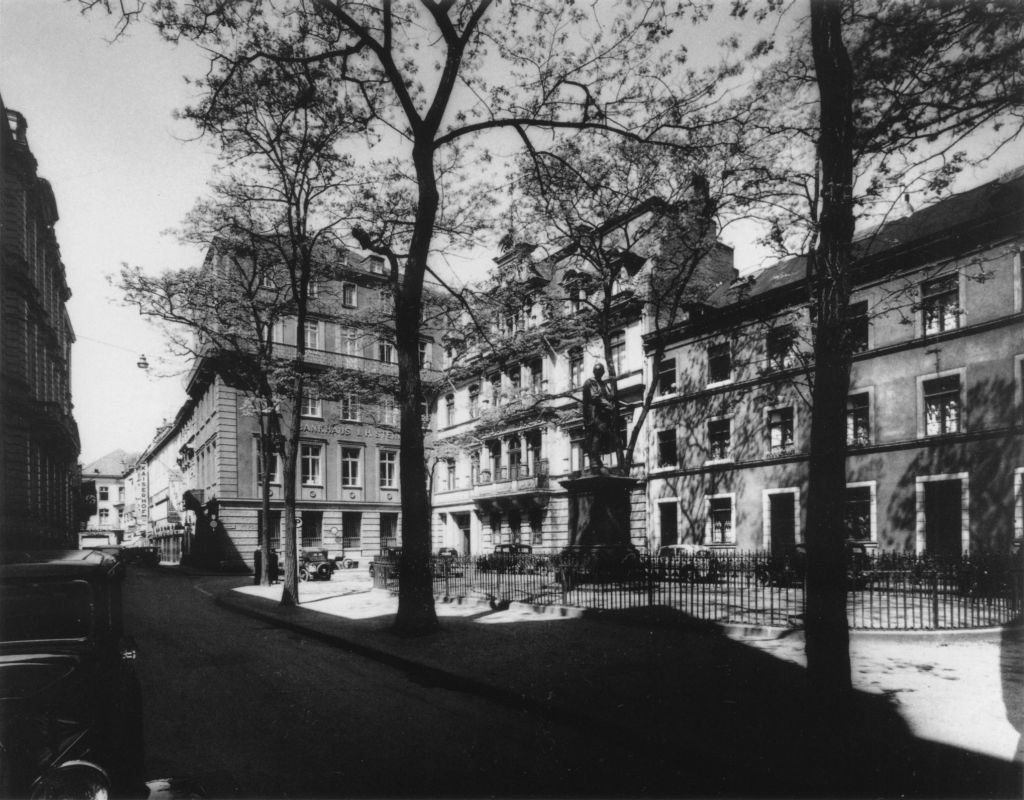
(732, 630)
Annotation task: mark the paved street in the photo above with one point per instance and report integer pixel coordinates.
(256, 711)
(323, 700)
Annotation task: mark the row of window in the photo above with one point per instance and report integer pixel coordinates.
(531, 315)
(348, 292)
(103, 494)
(349, 409)
(941, 403)
(350, 343)
(351, 532)
(939, 307)
(516, 455)
(530, 377)
(311, 466)
(721, 513)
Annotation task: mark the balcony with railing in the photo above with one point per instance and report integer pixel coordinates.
(517, 486)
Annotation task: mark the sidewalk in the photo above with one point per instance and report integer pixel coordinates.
(951, 704)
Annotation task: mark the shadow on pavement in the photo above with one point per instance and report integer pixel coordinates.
(1011, 659)
(692, 712)
(742, 722)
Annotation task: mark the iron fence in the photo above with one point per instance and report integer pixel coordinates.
(885, 591)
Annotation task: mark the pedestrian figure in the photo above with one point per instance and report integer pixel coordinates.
(600, 434)
(272, 566)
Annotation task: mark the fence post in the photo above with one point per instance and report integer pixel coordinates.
(649, 573)
(935, 599)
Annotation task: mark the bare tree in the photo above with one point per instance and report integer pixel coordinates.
(874, 100)
(630, 229)
(431, 78)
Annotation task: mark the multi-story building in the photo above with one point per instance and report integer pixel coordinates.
(347, 481)
(106, 479)
(135, 509)
(510, 429)
(39, 444)
(156, 488)
(934, 415)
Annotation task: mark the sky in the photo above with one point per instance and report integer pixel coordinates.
(101, 128)
(124, 172)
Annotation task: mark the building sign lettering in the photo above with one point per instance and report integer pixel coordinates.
(357, 431)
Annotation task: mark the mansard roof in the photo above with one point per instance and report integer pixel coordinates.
(115, 463)
(946, 228)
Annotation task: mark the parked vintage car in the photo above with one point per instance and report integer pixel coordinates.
(692, 563)
(447, 563)
(116, 552)
(599, 563)
(508, 558)
(389, 558)
(789, 567)
(71, 712)
(314, 565)
(143, 555)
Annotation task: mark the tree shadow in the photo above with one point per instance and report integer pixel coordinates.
(749, 726)
(1011, 670)
(688, 711)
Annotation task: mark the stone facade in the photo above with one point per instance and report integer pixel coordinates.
(348, 498)
(39, 444)
(510, 431)
(934, 421)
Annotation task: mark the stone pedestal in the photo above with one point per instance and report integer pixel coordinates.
(599, 509)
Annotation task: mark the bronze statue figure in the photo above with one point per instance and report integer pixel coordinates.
(600, 433)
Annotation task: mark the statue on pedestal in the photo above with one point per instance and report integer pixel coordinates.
(600, 431)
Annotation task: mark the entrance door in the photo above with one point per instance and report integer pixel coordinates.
(668, 517)
(462, 523)
(782, 518)
(942, 517)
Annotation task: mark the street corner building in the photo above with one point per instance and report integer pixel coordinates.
(40, 505)
(202, 472)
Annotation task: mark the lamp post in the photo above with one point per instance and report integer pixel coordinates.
(267, 414)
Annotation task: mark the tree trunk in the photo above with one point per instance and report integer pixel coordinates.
(826, 631)
(267, 462)
(290, 582)
(416, 615)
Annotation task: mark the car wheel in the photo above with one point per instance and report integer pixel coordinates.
(304, 574)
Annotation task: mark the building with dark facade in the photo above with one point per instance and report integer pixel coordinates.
(39, 444)
(935, 411)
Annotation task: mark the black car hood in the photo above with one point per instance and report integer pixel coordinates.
(29, 676)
